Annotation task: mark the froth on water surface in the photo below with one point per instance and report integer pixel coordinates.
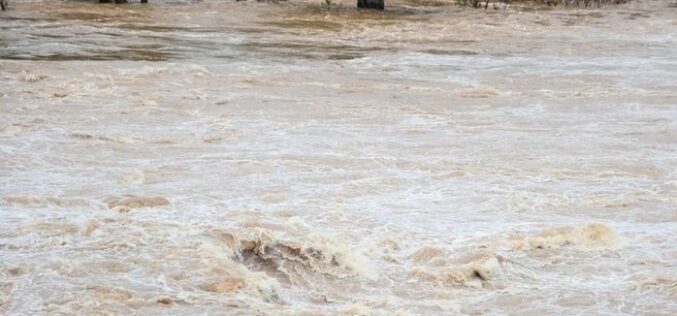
(281, 158)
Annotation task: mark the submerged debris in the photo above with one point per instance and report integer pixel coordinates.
(473, 269)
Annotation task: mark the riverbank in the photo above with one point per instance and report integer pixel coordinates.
(539, 3)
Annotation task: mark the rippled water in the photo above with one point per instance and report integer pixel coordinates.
(255, 158)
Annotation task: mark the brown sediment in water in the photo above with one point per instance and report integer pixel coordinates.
(42, 201)
(473, 269)
(594, 236)
(129, 202)
(283, 159)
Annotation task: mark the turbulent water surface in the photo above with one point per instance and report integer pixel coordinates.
(255, 158)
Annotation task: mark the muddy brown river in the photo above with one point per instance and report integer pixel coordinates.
(281, 158)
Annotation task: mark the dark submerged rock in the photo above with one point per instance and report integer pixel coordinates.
(371, 4)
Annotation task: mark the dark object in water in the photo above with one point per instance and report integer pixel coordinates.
(3, 5)
(119, 1)
(371, 4)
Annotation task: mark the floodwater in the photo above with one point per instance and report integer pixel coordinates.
(278, 158)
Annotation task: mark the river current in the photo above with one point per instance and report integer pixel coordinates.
(282, 158)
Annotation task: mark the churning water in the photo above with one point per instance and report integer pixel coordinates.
(246, 158)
